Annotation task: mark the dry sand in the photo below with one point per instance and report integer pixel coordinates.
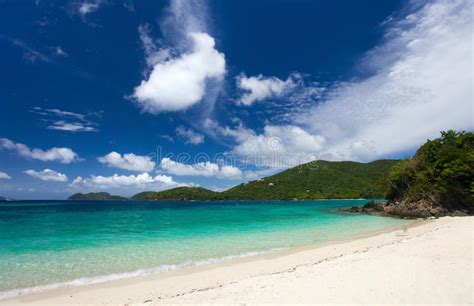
(430, 263)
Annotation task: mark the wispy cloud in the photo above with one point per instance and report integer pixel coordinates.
(47, 175)
(87, 7)
(189, 135)
(62, 155)
(30, 55)
(62, 125)
(167, 137)
(153, 54)
(60, 52)
(420, 83)
(66, 121)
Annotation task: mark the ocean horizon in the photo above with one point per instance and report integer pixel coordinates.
(50, 244)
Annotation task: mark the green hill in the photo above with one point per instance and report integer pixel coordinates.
(319, 180)
(315, 180)
(179, 193)
(99, 196)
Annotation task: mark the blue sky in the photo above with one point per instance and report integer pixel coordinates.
(127, 96)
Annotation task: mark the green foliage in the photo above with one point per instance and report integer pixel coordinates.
(401, 177)
(179, 193)
(442, 171)
(315, 180)
(319, 180)
(98, 196)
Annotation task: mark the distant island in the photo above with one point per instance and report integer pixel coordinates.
(4, 199)
(99, 196)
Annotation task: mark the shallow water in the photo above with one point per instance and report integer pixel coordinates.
(56, 242)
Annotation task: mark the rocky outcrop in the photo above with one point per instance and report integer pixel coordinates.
(406, 209)
(417, 209)
(372, 207)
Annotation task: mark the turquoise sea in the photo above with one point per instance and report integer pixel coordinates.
(47, 244)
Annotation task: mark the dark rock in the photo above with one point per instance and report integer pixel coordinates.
(459, 213)
(373, 206)
(354, 209)
(416, 209)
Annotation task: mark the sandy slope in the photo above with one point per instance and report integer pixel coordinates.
(431, 264)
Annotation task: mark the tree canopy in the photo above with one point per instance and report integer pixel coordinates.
(441, 171)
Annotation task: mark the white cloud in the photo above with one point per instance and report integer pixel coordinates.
(47, 175)
(154, 55)
(187, 68)
(205, 169)
(258, 88)
(62, 155)
(88, 7)
(140, 181)
(30, 55)
(4, 176)
(62, 125)
(178, 83)
(59, 112)
(278, 146)
(422, 83)
(69, 121)
(167, 137)
(189, 135)
(128, 161)
(60, 52)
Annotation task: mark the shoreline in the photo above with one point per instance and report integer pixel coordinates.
(184, 281)
(198, 265)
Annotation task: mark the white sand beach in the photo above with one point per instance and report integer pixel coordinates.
(429, 263)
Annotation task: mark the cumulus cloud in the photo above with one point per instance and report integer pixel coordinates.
(186, 69)
(421, 84)
(47, 175)
(140, 181)
(258, 88)
(62, 155)
(205, 169)
(189, 135)
(178, 83)
(278, 146)
(128, 161)
(4, 176)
